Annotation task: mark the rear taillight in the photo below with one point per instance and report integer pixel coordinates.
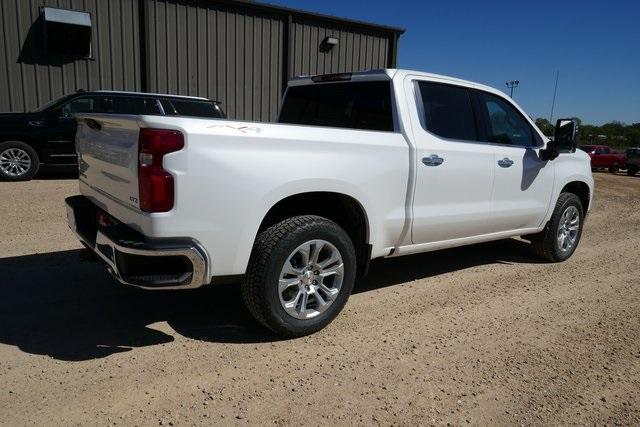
(156, 184)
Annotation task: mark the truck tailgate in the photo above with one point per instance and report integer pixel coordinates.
(107, 148)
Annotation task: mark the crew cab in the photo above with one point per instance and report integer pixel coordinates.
(45, 138)
(359, 166)
(604, 157)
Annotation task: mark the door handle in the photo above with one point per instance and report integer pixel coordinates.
(432, 160)
(505, 163)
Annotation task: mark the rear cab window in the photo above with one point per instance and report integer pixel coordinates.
(364, 105)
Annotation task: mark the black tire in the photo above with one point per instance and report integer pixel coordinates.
(614, 168)
(545, 244)
(631, 171)
(6, 150)
(270, 252)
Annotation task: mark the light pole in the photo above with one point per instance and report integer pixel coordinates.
(511, 85)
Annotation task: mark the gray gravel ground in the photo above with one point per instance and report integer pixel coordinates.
(483, 335)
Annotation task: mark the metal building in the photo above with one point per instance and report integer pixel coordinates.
(235, 51)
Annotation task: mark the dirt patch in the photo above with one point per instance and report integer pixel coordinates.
(482, 334)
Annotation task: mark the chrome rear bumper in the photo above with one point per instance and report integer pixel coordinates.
(135, 260)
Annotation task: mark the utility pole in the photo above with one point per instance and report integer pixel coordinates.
(553, 103)
(511, 84)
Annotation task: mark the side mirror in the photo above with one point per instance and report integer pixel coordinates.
(565, 134)
(564, 139)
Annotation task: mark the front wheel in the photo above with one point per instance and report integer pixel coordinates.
(560, 238)
(631, 171)
(300, 275)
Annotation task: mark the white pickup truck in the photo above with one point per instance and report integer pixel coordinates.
(359, 166)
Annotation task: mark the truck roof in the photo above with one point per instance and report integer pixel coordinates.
(131, 93)
(387, 74)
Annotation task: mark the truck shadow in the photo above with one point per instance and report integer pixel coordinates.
(54, 304)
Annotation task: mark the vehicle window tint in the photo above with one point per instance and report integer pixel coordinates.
(78, 105)
(136, 105)
(505, 123)
(353, 105)
(191, 108)
(447, 111)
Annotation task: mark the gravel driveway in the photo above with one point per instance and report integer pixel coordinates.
(483, 335)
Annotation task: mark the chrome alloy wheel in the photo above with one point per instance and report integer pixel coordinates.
(15, 162)
(310, 279)
(568, 228)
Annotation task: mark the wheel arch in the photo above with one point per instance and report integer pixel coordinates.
(580, 189)
(340, 208)
(37, 148)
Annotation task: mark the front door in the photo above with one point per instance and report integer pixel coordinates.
(523, 182)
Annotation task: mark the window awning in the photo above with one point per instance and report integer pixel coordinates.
(70, 17)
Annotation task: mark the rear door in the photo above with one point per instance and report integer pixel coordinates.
(59, 131)
(455, 173)
(523, 182)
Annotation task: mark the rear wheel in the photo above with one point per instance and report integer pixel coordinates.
(300, 275)
(18, 161)
(614, 168)
(560, 238)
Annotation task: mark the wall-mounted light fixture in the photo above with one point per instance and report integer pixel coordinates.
(332, 41)
(328, 43)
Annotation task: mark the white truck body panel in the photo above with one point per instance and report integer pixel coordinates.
(231, 173)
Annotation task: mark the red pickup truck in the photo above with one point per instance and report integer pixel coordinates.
(603, 157)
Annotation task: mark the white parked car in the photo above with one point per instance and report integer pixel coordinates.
(360, 166)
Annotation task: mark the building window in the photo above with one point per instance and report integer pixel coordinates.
(67, 32)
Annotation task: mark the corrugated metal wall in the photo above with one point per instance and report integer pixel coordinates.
(357, 50)
(237, 53)
(224, 53)
(30, 77)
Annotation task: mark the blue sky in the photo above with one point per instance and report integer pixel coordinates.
(594, 44)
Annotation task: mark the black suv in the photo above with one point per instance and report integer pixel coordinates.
(45, 138)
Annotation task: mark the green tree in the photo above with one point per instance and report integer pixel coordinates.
(544, 125)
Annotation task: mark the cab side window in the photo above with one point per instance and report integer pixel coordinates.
(78, 105)
(447, 111)
(136, 105)
(503, 122)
